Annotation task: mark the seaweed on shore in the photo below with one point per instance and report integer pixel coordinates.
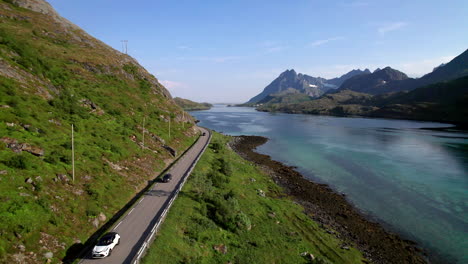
(332, 210)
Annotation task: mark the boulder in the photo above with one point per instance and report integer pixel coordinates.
(33, 149)
(62, 178)
(220, 248)
(95, 222)
(18, 147)
(170, 150)
(22, 248)
(49, 255)
(102, 217)
(261, 193)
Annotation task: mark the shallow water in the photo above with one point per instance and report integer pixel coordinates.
(413, 180)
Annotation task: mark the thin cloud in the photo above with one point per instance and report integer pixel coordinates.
(216, 59)
(324, 41)
(184, 47)
(415, 69)
(173, 85)
(421, 67)
(355, 4)
(275, 49)
(272, 47)
(391, 27)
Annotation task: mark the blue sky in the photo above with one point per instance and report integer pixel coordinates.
(228, 51)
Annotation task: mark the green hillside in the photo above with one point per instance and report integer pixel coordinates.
(53, 75)
(188, 105)
(231, 212)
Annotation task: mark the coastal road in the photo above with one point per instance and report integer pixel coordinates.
(137, 224)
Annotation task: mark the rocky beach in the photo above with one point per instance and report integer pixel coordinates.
(332, 210)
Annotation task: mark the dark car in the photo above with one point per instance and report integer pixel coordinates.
(167, 178)
(204, 134)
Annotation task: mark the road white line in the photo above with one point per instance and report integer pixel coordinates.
(141, 200)
(131, 211)
(117, 225)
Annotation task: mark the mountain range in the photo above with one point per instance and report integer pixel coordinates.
(290, 82)
(383, 93)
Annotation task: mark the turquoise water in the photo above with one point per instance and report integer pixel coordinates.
(413, 180)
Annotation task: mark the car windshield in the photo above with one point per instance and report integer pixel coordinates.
(105, 241)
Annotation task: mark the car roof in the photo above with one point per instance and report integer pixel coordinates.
(110, 234)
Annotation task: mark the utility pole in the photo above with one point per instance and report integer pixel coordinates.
(143, 132)
(169, 127)
(124, 46)
(73, 156)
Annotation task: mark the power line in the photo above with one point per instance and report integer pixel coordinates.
(124, 46)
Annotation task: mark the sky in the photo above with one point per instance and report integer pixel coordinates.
(223, 51)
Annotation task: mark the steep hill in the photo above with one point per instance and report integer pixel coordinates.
(390, 81)
(456, 68)
(53, 75)
(372, 83)
(188, 105)
(445, 101)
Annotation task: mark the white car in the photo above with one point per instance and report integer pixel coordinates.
(105, 245)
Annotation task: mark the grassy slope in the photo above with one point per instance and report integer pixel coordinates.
(53, 69)
(218, 206)
(188, 105)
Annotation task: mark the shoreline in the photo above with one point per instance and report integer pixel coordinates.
(331, 210)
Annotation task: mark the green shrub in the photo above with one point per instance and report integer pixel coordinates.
(145, 85)
(321, 260)
(68, 106)
(18, 161)
(92, 210)
(216, 146)
(243, 221)
(225, 167)
(223, 212)
(218, 179)
(130, 68)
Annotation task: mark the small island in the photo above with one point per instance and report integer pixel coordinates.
(188, 105)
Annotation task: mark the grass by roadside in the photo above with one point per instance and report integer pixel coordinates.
(229, 211)
(50, 78)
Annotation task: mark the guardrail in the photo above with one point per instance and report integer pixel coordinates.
(154, 230)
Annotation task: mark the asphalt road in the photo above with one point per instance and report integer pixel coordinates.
(135, 226)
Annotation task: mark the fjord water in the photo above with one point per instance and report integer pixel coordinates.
(412, 180)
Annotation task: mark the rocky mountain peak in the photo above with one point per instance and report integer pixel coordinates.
(39, 6)
(289, 73)
(390, 74)
(43, 7)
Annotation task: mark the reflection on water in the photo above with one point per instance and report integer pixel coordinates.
(414, 180)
